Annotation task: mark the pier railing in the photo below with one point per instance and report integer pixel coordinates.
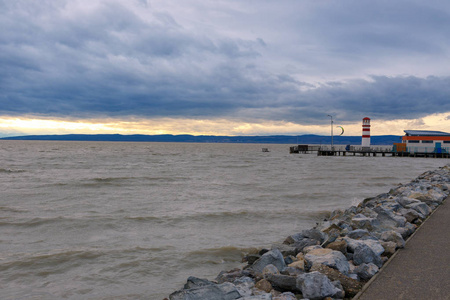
(386, 150)
(349, 148)
(378, 149)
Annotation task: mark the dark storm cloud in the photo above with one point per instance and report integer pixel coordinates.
(129, 58)
(382, 97)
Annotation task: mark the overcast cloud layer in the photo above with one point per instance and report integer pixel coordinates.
(277, 60)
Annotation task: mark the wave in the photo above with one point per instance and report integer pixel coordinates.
(57, 257)
(53, 260)
(259, 214)
(32, 222)
(103, 265)
(218, 255)
(80, 222)
(98, 182)
(384, 178)
(12, 209)
(146, 219)
(111, 179)
(220, 251)
(230, 216)
(11, 171)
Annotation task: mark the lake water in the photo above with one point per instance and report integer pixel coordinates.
(102, 220)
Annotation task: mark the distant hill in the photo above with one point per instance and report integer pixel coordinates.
(273, 139)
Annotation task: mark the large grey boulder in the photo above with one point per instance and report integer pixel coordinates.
(328, 257)
(375, 245)
(297, 237)
(406, 201)
(283, 282)
(341, 294)
(393, 236)
(411, 215)
(223, 291)
(285, 249)
(389, 248)
(359, 234)
(195, 282)
(231, 275)
(429, 197)
(306, 242)
(367, 211)
(293, 270)
(338, 245)
(437, 194)
(363, 254)
(351, 286)
(389, 204)
(400, 190)
(315, 286)
(411, 229)
(360, 221)
(388, 219)
(315, 234)
(311, 248)
(262, 285)
(332, 235)
(270, 269)
(285, 296)
(273, 257)
(251, 258)
(421, 208)
(366, 271)
(244, 285)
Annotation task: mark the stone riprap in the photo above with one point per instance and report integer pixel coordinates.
(335, 259)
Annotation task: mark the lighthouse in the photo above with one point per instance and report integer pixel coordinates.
(365, 133)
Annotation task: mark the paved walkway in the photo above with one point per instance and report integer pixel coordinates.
(422, 269)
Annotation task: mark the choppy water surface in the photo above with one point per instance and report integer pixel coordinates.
(87, 220)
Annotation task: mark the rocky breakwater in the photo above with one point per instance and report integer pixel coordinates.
(336, 258)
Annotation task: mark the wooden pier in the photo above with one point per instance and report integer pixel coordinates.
(354, 153)
(365, 151)
(381, 153)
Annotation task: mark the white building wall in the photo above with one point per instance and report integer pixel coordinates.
(426, 146)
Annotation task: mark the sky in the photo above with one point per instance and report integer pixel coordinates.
(237, 67)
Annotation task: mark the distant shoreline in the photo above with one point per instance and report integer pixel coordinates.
(273, 139)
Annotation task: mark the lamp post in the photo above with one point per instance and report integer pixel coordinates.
(332, 147)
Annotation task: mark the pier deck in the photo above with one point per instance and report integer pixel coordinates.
(380, 153)
(365, 151)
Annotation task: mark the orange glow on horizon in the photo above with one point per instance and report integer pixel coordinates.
(35, 125)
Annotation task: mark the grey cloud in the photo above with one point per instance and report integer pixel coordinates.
(381, 97)
(359, 37)
(121, 59)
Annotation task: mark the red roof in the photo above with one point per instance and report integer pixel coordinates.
(366, 118)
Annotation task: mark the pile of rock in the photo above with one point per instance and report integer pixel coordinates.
(333, 260)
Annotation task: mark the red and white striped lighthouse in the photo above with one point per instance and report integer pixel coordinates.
(365, 132)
